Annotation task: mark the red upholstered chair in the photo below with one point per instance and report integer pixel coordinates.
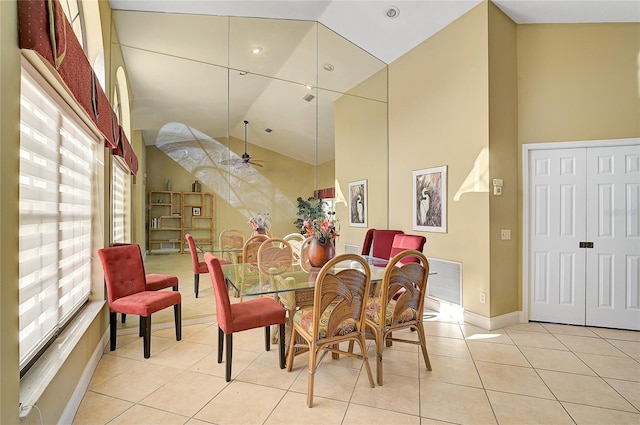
(199, 267)
(377, 243)
(403, 242)
(255, 313)
(127, 293)
(154, 281)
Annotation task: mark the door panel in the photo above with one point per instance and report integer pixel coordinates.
(558, 195)
(613, 225)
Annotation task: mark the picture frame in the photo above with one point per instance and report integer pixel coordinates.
(196, 211)
(358, 203)
(430, 199)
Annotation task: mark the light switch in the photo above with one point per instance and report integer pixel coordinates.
(505, 234)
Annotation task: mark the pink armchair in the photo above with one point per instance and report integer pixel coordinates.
(255, 313)
(199, 267)
(154, 281)
(402, 242)
(127, 293)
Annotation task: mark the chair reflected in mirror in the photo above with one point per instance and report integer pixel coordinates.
(199, 267)
(231, 242)
(378, 242)
(295, 240)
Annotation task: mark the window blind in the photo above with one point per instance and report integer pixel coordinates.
(119, 196)
(57, 164)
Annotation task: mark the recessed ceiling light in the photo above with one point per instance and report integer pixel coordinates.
(328, 67)
(308, 86)
(268, 130)
(391, 12)
(256, 50)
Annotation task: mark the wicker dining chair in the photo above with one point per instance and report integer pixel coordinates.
(337, 315)
(231, 242)
(399, 304)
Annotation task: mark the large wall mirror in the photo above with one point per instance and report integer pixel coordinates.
(316, 107)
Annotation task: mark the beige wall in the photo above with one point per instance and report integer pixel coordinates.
(578, 82)
(9, 168)
(438, 115)
(253, 190)
(361, 153)
(503, 163)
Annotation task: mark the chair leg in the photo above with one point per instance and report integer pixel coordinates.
(146, 324)
(380, 337)
(177, 317)
(113, 320)
(229, 338)
(365, 357)
(196, 283)
(124, 318)
(220, 343)
(267, 338)
(290, 353)
(312, 372)
(281, 344)
(140, 327)
(423, 345)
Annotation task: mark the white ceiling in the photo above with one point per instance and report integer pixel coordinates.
(363, 22)
(167, 88)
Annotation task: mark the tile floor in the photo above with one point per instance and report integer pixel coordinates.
(524, 374)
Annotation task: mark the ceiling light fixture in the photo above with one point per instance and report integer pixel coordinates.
(256, 50)
(391, 12)
(328, 67)
(308, 86)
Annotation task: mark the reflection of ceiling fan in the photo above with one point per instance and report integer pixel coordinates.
(245, 159)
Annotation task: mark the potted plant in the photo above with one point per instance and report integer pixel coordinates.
(311, 209)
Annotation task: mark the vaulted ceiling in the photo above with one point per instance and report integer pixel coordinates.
(180, 73)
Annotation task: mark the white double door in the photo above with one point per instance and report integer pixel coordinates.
(584, 236)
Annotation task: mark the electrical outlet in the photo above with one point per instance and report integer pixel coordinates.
(483, 297)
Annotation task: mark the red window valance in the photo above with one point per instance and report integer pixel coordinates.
(44, 28)
(123, 149)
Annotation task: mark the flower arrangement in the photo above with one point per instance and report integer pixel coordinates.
(260, 222)
(322, 229)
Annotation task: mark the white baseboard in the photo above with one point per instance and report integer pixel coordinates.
(74, 402)
(486, 323)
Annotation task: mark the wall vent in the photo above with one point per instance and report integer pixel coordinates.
(308, 97)
(351, 249)
(446, 283)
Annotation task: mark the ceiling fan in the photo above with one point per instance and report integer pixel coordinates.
(245, 159)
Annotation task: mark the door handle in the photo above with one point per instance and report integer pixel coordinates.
(586, 244)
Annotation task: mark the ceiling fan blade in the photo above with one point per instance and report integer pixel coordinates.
(231, 161)
(255, 163)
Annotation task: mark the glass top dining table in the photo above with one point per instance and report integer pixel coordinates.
(248, 281)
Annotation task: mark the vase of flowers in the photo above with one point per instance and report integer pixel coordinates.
(260, 223)
(322, 246)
